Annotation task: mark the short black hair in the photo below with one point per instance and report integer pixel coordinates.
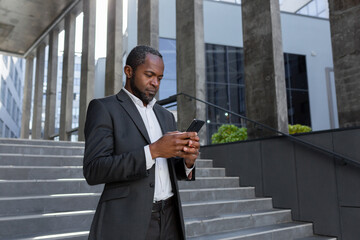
(138, 54)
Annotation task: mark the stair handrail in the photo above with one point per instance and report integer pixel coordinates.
(339, 156)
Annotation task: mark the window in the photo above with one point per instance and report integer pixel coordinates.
(17, 119)
(5, 60)
(3, 90)
(226, 87)
(1, 127)
(7, 131)
(297, 89)
(13, 112)
(12, 135)
(16, 75)
(11, 66)
(8, 102)
(167, 48)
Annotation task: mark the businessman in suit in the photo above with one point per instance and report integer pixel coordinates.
(131, 145)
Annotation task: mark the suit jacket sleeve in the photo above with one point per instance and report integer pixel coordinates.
(101, 165)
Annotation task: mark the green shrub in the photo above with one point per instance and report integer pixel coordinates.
(297, 128)
(229, 133)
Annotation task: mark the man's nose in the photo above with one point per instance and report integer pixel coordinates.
(155, 82)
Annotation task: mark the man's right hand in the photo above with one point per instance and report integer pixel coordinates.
(172, 145)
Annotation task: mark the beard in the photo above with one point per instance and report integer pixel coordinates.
(141, 95)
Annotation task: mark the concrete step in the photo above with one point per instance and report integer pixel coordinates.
(210, 182)
(40, 142)
(18, 188)
(55, 172)
(205, 226)
(39, 149)
(213, 194)
(83, 235)
(219, 208)
(17, 159)
(282, 231)
(27, 226)
(210, 172)
(204, 163)
(39, 172)
(316, 238)
(12, 206)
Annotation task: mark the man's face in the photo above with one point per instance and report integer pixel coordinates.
(145, 81)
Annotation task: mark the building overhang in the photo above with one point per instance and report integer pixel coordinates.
(26, 23)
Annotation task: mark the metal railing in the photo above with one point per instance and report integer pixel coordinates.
(338, 156)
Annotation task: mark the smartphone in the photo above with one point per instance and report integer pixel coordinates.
(195, 125)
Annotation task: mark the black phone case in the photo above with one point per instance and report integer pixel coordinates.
(195, 125)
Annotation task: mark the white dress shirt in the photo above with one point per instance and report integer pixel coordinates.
(163, 189)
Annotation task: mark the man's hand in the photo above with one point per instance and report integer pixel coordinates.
(191, 152)
(177, 144)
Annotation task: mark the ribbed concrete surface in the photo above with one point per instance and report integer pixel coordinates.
(44, 195)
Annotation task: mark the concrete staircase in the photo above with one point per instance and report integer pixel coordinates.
(43, 195)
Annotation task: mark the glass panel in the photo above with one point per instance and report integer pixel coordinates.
(237, 99)
(235, 65)
(300, 108)
(295, 71)
(216, 68)
(167, 48)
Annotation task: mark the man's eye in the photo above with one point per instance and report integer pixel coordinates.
(148, 75)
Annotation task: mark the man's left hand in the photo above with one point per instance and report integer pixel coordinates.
(191, 152)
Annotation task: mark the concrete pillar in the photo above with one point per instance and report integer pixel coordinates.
(26, 106)
(345, 37)
(190, 62)
(67, 85)
(50, 107)
(38, 92)
(87, 63)
(148, 23)
(114, 52)
(265, 87)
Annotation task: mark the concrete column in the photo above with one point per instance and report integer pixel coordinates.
(345, 37)
(50, 106)
(190, 62)
(114, 52)
(148, 23)
(265, 87)
(87, 63)
(38, 92)
(26, 106)
(67, 85)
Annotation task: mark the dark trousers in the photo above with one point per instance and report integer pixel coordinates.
(164, 224)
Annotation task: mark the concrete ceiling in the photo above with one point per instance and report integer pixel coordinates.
(24, 22)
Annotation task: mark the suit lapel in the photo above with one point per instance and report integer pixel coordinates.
(161, 119)
(134, 114)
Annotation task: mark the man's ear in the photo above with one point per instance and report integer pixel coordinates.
(128, 71)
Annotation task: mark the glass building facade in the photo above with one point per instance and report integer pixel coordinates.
(11, 75)
(226, 87)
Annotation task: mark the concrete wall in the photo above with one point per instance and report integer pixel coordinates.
(303, 35)
(315, 186)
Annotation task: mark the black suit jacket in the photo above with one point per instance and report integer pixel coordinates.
(115, 136)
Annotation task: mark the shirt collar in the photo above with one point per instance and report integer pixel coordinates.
(138, 102)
